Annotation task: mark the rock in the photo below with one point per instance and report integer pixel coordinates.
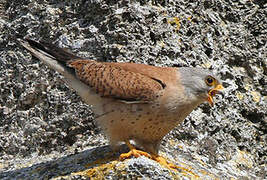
(47, 132)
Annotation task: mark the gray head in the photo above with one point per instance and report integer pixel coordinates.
(200, 84)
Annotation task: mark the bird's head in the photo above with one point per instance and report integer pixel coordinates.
(200, 84)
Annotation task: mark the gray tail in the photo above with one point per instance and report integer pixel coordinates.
(57, 59)
(53, 56)
(56, 52)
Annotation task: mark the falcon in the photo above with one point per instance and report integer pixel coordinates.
(135, 104)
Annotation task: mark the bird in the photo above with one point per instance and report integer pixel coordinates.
(134, 104)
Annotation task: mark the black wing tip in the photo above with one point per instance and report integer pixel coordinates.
(50, 48)
(30, 42)
(34, 44)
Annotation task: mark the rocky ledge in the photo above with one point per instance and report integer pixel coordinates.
(47, 132)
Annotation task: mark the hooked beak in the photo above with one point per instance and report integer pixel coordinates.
(217, 90)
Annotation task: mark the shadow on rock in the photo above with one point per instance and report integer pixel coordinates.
(64, 166)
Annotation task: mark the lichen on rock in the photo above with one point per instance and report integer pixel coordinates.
(47, 132)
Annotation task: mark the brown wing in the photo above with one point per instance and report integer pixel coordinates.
(125, 81)
(110, 80)
(165, 75)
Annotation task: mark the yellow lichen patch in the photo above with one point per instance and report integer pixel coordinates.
(161, 43)
(108, 158)
(119, 46)
(189, 173)
(256, 96)
(2, 165)
(247, 87)
(188, 170)
(100, 167)
(172, 142)
(206, 65)
(200, 161)
(98, 172)
(212, 176)
(190, 19)
(185, 169)
(175, 21)
(239, 95)
(180, 146)
(244, 158)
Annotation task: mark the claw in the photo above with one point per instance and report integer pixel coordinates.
(161, 160)
(133, 152)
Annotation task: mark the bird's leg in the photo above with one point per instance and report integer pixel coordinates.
(161, 160)
(133, 152)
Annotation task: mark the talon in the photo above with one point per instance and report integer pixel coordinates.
(125, 155)
(161, 160)
(133, 152)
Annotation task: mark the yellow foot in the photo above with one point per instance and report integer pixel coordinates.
(135, 153)
(161, 160)
(164, 162)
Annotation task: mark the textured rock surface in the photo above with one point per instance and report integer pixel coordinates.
(47, 132)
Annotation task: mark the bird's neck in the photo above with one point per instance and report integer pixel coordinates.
(181, 111)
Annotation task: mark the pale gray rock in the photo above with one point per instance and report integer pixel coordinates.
(47, 132)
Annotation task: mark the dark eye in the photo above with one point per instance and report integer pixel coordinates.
(209, 81)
